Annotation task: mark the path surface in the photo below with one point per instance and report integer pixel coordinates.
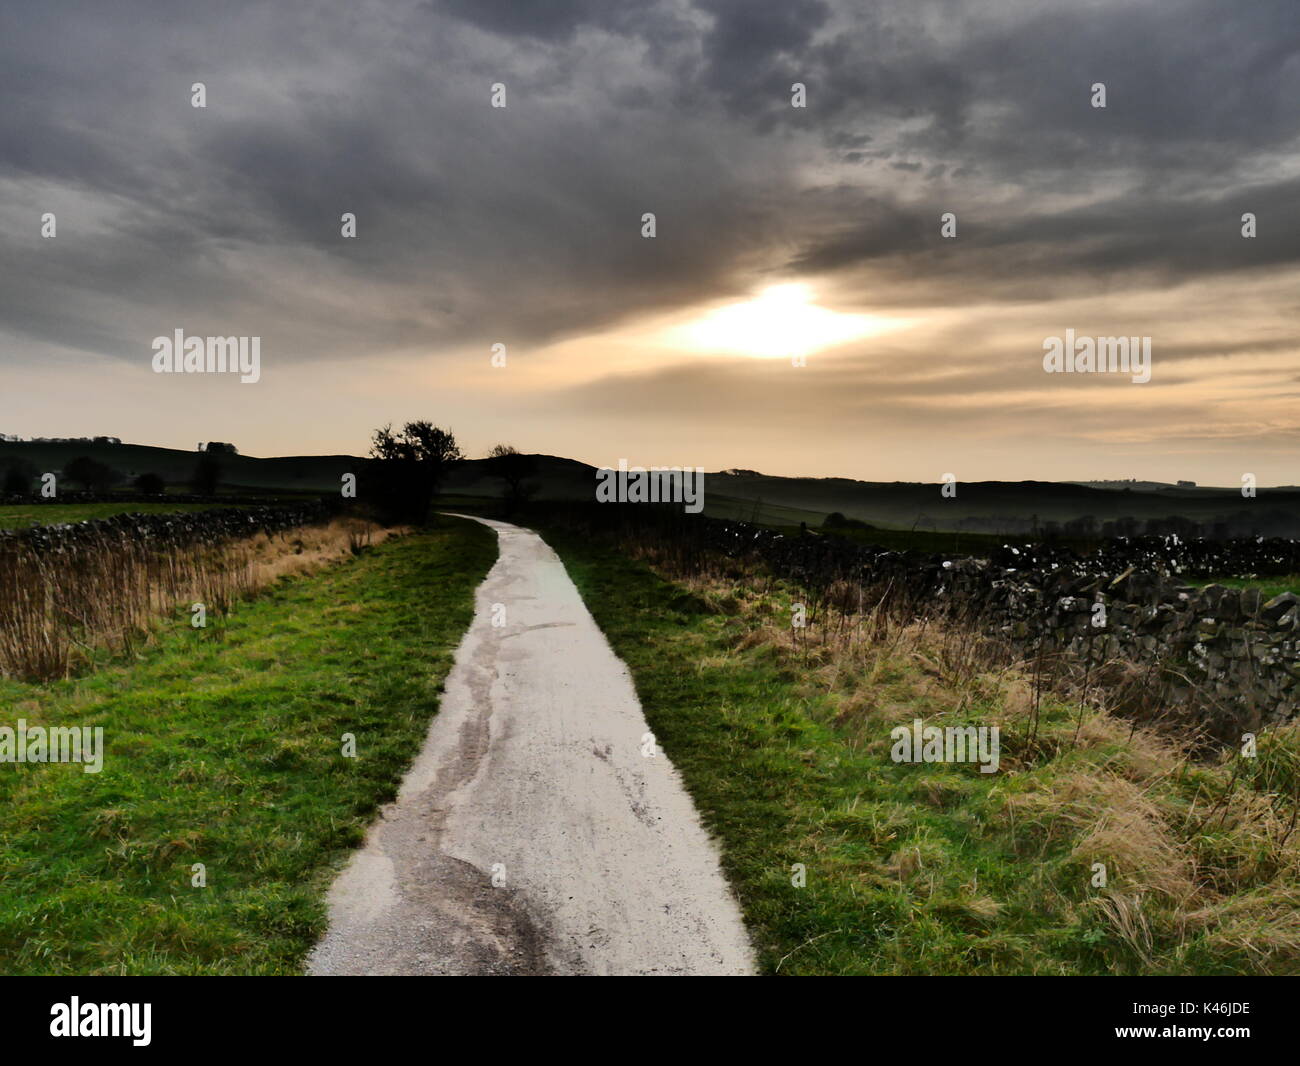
(533, 772)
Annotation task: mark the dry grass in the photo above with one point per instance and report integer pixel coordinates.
(59, 611)
(1201, 858)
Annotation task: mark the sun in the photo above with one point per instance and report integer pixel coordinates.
(780, 322)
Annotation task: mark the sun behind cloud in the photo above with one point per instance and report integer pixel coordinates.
(780, 322)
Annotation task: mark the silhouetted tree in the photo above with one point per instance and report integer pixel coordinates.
(90, 474)
(150, 485)
(207, 474)
(506, 462)
(18, 478)
(407, 469)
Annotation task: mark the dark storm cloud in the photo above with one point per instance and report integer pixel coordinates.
(522, 224)
(1022, 252)
(555, 20)
(752, 53)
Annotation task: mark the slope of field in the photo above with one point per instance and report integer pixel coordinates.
(293, 473)
(848, 862)
(905, 504)
(553, 479)
(987, 506)
(223, 748)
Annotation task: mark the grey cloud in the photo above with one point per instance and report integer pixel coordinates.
(523, 223)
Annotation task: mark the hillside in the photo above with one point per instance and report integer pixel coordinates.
(981, 506)
(1005, 505)
(292, 473)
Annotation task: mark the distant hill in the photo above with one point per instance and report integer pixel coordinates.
(556, 479)
(1122, 486)
(980, 506)
(294, 473)
(1001, 506)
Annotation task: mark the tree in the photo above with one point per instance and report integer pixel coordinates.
(407, 469)
(90, 474)
(506, 462)
(150, 485)
(207, 474)
(421, 442)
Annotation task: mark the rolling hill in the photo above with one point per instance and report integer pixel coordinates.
(983, 506)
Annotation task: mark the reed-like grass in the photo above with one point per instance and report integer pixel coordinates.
(61, 610)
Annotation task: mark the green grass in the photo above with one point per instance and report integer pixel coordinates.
(22, 516)
(957, 542)
(933, 868)
(1269, 586)
(223, 748)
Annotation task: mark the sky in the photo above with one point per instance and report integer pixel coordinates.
(799, 309)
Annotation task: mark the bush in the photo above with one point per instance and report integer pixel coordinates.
(17, 479)
(90, 474)
(207, 475)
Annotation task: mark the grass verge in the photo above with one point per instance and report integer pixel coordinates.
(937, 868)
(223, 747)
(23, 516)
(1268, 586)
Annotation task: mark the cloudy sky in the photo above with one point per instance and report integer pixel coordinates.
(781, 231)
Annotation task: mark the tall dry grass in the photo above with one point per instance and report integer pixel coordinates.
(1199, 840)
(60, 609)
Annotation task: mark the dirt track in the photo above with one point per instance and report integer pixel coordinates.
(533, 775)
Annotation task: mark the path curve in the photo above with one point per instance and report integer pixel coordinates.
(532, 774)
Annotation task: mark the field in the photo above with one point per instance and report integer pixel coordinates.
(23, 516)
(987, 507)
(995, 505)
(223, 748)
(1269, 586)
(783, 740)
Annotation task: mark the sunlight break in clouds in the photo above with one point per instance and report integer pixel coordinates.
(781, 322)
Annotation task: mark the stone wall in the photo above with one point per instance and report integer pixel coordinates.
(1228, 655)
(1225, 658)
